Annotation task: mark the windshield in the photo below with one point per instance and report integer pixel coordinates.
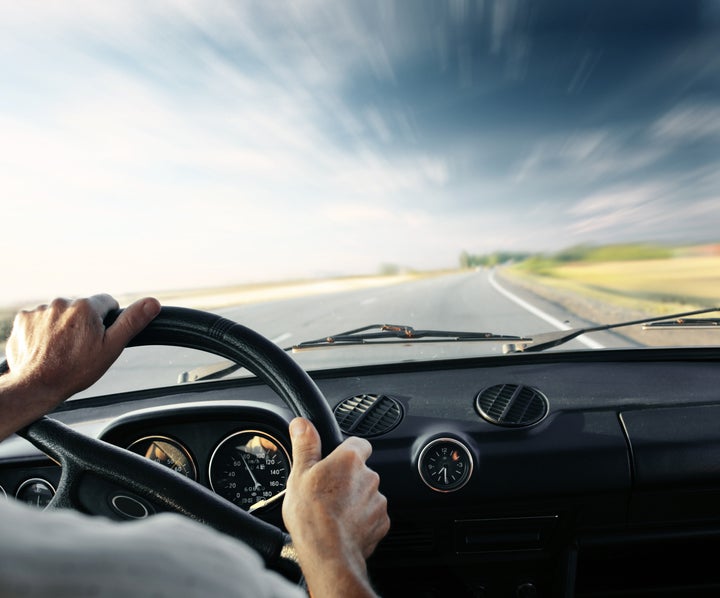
(309, 168)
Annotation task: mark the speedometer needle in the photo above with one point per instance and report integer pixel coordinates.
(257, 484)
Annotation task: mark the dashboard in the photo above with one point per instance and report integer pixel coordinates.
(559, 474)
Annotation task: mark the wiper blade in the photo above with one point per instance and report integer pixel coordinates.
(681, 322)
(548, 340)
(400, 334)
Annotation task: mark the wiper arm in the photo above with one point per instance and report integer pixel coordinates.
(385, 333)
(372, 334)
(548, 340)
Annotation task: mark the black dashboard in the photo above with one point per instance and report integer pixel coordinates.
(588, 473)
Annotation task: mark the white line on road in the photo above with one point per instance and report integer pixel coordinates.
(283, 337)
(588, 342)
(368, 301)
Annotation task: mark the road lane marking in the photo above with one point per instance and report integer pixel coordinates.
(368, 301)
(588, 342)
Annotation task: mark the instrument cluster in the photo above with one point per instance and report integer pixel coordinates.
(240, 451)
(248, 467)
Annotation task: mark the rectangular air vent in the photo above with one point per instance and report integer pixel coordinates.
(504, 534)
(415, 539)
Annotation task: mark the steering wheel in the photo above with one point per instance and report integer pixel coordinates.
(92, 470)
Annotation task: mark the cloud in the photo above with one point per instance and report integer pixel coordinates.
(689, 122)
(644, 213)
(613, 209)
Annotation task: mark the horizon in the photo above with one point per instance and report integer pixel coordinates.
(130, 294)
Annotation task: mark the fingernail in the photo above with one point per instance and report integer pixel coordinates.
(297, 428)
(151, 308)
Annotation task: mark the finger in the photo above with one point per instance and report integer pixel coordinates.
(59, 303)
(358, 445)
(131, 321)
(102, 304)
(305, 444)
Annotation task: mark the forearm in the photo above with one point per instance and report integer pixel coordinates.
(337, 577)
(21, 404)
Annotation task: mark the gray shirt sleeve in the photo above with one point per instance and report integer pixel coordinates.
(64, 554)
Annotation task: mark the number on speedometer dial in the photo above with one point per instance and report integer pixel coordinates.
(250, 469)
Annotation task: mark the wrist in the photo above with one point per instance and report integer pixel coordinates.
(334, 570)
(22, 402)
(337, 577)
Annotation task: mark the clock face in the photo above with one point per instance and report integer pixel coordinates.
(445, 464)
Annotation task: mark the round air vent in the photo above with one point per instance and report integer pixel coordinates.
(368, 415)
(513, 405)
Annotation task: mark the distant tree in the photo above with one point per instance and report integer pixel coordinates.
(389, 269)
(468, 260)
(576, 253)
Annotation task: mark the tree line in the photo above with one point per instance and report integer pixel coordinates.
(577, 253)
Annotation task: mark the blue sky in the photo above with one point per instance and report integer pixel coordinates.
(153, 145)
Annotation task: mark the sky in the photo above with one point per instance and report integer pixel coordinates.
(150, 145)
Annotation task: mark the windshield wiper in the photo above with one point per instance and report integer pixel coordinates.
(548, 340)
(400, 334)
(680, 322)
(372, 334)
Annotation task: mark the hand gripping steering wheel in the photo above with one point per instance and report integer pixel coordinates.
(92, 467)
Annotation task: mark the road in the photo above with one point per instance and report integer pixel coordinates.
(472, 301)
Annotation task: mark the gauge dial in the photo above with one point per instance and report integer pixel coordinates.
(167, 452)
(445, 464)
(249, 469)
(36, 492)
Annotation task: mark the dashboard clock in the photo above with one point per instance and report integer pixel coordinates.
(445, 464)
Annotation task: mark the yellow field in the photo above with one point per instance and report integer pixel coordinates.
(685, 279)
(663, 285)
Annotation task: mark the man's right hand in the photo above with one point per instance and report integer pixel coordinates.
(334, 512)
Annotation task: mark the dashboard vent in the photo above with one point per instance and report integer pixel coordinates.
(512, 405)
(407, 540)
(368, 415)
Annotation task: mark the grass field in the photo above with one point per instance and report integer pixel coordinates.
(688, 280)
(660, 285)
(617, 291)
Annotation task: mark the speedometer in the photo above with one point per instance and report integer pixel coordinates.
(167, 452)
(250, 469)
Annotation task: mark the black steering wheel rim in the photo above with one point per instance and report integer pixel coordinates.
(87, 462)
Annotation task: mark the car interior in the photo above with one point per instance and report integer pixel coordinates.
(558, 474)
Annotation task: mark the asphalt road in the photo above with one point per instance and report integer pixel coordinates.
(471, 301)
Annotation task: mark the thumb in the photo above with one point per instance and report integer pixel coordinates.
(305, 444)
(131, 321)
